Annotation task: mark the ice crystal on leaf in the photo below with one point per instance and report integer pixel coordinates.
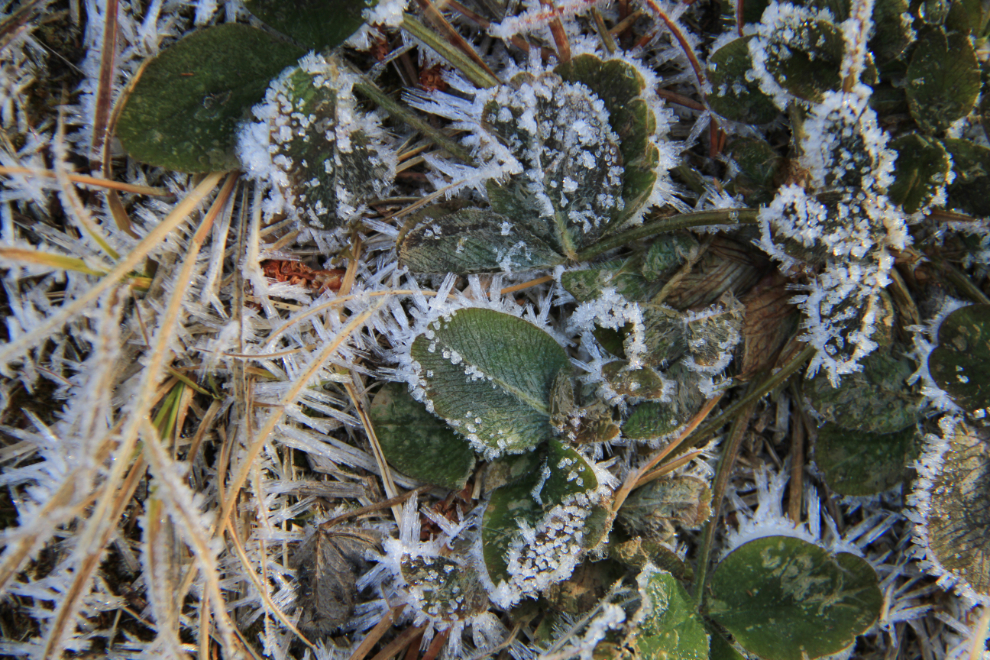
(322, 154)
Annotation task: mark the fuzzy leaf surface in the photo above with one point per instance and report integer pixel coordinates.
(787, 599)
(474, 241)
(489, 374)
(958, 520)
(417, 443)
(188, 122)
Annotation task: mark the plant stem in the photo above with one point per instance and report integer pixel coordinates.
(400, 113)
(455, 57)
(725, 464)
(755, 393)
(671, 224)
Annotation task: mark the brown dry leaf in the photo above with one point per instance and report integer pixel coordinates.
(769, 320)
(328, 566)
(725, 266)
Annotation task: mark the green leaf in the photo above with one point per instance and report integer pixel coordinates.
(575, 200)
(331, 154)
(805, 58)
(920, 171)
(758, 165)
(473, 241)
(960, 364)
(317, 24)
(663, 333)
(569, 474)
(184, 111)
(565, 477)
(619, 86)
(417, 443)
(666, 254)
(489, 374)
(874, 400)
(786, 599)
(958, 520)
(893, 33)
(733, 96)
(671, 627)
(644, 383)
(656, 509)
(509, 505)
(445, 589)
(858, 463)
(624, 277)
(970, 191)
(943, 79)
(652, 420)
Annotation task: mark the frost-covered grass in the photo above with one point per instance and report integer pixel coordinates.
(175, 421)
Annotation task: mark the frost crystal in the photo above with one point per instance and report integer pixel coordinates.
(323, 155)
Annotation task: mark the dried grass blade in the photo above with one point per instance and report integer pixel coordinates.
(386, 472)
(261, 436)
(376, 633)
(265, 596)
(179, 214)
(85, 180)
(104, 90)
(56, 261)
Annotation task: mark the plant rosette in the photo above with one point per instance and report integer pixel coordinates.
(563, 156)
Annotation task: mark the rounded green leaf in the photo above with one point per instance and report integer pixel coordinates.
(184, 111)
(671, 626)
(733, 96)
(656, 509)
(943, 79)
(958, 520)
(557, 501)
(317, 24)
(509, 505)
(325, 154)
(624, 277)
(758, 164)
(805, 58)
(874, 400)
(920, 171)
(859, 463)
(667, 253)
(473, 241)
(787, 599)
(619, 86)
(489, 374)
(417, 443)
(970, 191)
(960, 364)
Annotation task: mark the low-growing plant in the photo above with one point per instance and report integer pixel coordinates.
(600, 268)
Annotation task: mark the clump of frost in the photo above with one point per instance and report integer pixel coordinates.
(841, 224)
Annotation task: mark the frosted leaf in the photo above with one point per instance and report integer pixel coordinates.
(324, 156)
(843, 146)
(560, 133)
(443, 589)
